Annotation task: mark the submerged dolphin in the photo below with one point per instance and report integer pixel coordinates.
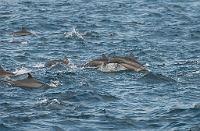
(97, 62)
(129, 62)
(4, 73)
(30, 82)
(54, 62)
(23, 32)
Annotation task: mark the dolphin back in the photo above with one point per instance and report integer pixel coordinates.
(23, 32)
(29, 82)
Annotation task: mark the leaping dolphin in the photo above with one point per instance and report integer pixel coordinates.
(129, 62)
(4, 73)
(23, 32)
(30, 82)
(54, 62)
(98, 62)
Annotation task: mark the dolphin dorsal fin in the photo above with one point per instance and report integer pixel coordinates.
(30, 76)
(1, 68)
(131, 56)
(65, 58)
(104, 57)
(23, 29)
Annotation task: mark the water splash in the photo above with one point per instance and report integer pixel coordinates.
(111, 67)
(74, 33)
(34, 32)
(21, 71)
(54, 83)
(38, 65)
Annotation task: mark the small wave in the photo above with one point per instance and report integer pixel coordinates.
(3, 127)
(196, 105)
(54, 84)
(156, 78)
(196, 72)
(74, 33)
(195, 128)
(43, 101)
(111, 67)
(50, 104)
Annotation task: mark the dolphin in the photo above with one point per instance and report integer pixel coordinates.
(30, 82)
(54, 62)
(4, 73)
(23, 32)
(98, 62)
(129, 63)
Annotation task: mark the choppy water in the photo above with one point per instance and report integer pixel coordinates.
(163, 35)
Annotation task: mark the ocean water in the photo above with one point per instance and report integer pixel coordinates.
(163, 35)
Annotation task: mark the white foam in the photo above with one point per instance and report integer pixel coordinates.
(24, 42)
(55, 101)
(196, 72)
(147, 64)
(111, 67)
(54, 83)
(21, 71)
(38, 65)
(33, 32)
(43, 101)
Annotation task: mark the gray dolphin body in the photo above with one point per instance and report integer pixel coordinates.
(23, 32)
(129, 62)
(54, 62)
(30, 82)
(4, 73)
(98, 62)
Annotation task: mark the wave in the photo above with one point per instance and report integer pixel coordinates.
(156, 78)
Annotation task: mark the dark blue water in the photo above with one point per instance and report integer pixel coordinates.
(163, 35)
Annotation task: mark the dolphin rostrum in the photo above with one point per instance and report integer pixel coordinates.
(54, 62)
(4, 73)
(129, 63)
(30, 82)
(23, 32)
(98, 62)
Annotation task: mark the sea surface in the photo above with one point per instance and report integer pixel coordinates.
(163, 35)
